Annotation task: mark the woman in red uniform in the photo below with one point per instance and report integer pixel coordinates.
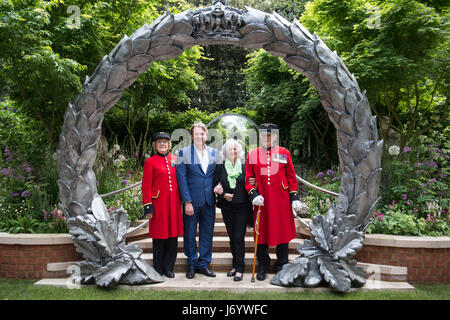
(161, 201)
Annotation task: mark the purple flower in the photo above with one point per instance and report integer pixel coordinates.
(124, 181)
(330, 172)
(6, 171)
(408, 202)
(6, 151)
(25, 194)
(28, 169)
(320, 175)
(432, 164)
(407, 149)
(404, 196)
(14, 194)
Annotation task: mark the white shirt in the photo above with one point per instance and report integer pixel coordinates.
(203, 157)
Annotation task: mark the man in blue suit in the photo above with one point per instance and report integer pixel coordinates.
(195, 173)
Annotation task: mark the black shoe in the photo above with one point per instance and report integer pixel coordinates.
(261, 275)
(190, 274)
(206, 272)
(231, 273)
(238, 278)
(169, 274)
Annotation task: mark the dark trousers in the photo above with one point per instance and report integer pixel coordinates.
(236, 217)
(264, 259)
(204, 218)
(164, 254)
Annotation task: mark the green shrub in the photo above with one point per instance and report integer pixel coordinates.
(392, 219)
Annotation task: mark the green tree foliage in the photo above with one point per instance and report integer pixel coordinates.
(45, 57)
(399, 52)
(273, 91)
(284, 96)
(223, 84)
(37, 77)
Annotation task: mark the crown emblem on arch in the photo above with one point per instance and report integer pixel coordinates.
(219, 21)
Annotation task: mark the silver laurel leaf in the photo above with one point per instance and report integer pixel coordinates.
(112, 273)
(148, 270)
(313, 277)
(99, 209)
(321, 232)
(356, 273)
(107, 236)
(347, 243)
(292, 270)
(309, 248)
(334, 273)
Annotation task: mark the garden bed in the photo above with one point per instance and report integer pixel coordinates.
(25, 256)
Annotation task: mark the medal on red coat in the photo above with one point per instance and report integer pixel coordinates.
(280, 158)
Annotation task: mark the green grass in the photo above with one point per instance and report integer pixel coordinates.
(25, 290)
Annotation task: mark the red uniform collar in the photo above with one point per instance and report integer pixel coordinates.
(162, 155)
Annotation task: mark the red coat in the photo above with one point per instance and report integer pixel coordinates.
(275, 180)
(160, 188)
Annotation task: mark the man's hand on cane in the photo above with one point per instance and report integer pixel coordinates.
(258, 201)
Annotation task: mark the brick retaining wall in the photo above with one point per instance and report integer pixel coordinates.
(427, 258)
(30, 261)
(425, 265)
(26, 256)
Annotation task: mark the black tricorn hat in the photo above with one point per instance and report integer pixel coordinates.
(161, 135)
(268, 127)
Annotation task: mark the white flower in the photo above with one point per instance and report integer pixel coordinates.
(122, 158)
(116, 147)
(117, 162)
(109, 155)
(55, 156)
(394, 150)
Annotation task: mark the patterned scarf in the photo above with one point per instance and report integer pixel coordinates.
(233, 172)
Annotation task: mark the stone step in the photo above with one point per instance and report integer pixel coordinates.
(221, 262)
(220, 244)
(224, 283)
(221, 230)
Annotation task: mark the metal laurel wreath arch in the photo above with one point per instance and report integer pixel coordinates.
(325, 259)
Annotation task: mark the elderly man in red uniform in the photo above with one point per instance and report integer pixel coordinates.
(276, 192)
(162, 205)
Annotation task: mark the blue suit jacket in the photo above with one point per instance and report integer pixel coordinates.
(193, 183)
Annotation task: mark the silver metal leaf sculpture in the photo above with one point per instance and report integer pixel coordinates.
(335, 237)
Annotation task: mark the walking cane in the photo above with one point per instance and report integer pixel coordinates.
(256, 242)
